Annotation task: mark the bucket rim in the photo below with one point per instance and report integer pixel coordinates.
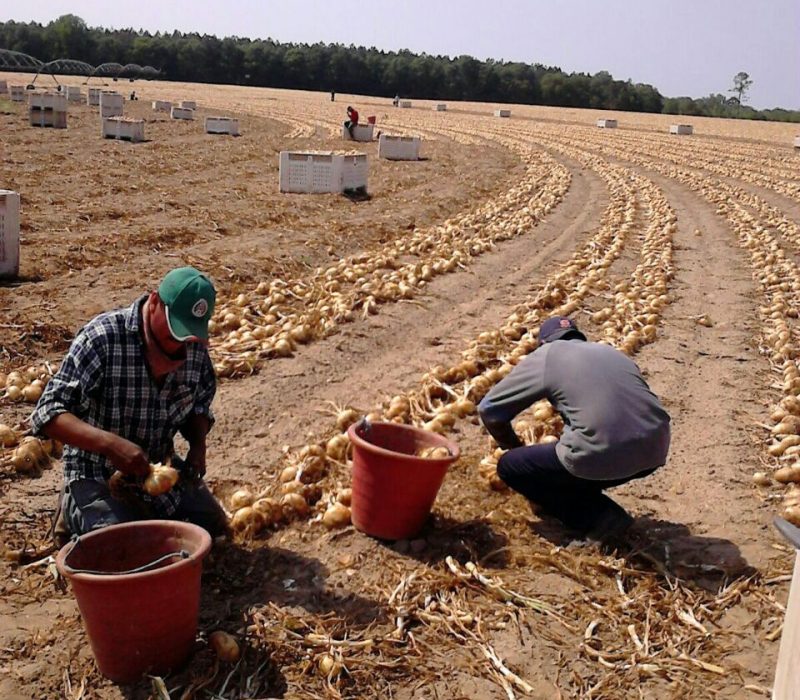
(111, 578)
(355, 438)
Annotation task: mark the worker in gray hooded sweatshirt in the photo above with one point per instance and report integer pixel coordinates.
(615, 429)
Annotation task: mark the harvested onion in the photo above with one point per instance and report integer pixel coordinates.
(337, 515)
(294, 505)
(435, 452)
(761, 479)
(248, 521)
(30, 457)
(8, 437)
(225, 646)
(241, 498)
(788, 475)
(161, 479)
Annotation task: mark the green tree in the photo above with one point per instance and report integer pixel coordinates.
(741, 84)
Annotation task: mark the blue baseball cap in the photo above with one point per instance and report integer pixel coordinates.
(559, 328)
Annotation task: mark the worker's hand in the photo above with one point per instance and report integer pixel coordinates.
(126, 456)
(196, 461)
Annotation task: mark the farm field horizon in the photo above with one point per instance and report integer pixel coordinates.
(682, 251)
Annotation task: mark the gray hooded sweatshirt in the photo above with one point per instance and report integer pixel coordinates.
(614, 426)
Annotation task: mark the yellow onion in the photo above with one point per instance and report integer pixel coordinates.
(225, 646)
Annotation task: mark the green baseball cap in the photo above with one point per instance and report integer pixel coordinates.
(188, 296)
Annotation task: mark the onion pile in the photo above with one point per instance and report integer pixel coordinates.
(26, 384)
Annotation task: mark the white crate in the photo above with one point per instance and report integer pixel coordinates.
(222, 125)
(398, 147)
(48, 109)
(607, 123)
(181, 113)
(797, 141)
(316, 171)
(361, 132)
(93, 97)
(3, 87)
(112, 104)
(16, 93)
(502, 113)
(73, 93)
(47, 117)
(405, 104)
(355, 170)
(123, 128)
(9, 233)
(685, 129)
(440, 108)
(48, 100)
(162, 106)
(188, 104)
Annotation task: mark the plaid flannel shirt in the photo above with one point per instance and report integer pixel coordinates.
(104, 380)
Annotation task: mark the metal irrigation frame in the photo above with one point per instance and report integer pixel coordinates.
(23, 63)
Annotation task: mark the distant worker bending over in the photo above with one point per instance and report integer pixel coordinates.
(352, 121)
(615, 429)
(131, 380)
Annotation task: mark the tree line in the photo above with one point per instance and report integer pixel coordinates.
(204, 58)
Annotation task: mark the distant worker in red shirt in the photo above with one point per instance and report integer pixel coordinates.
(352, 121)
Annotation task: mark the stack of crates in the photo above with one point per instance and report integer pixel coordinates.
(9, 234)
(48, 109)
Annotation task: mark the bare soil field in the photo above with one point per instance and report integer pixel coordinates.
(681, 251)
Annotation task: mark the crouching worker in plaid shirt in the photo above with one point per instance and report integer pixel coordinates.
(131, 380)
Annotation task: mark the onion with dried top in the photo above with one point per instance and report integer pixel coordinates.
(161, 479)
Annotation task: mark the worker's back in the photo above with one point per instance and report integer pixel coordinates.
(614, 425)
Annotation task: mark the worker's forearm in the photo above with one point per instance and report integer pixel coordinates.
(504, 435)
(71, 430)
(195, 429)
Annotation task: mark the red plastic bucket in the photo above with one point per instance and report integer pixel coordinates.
(393, 490)
(371, 120)
(142, 622)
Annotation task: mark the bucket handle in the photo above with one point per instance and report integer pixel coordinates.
(182, 553)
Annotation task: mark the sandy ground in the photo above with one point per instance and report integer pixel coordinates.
(103, 221)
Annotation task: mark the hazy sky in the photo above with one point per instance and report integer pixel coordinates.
(683, 47)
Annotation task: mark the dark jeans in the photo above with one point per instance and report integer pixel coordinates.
(536, 472)
(88, 505)
(350, 126)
